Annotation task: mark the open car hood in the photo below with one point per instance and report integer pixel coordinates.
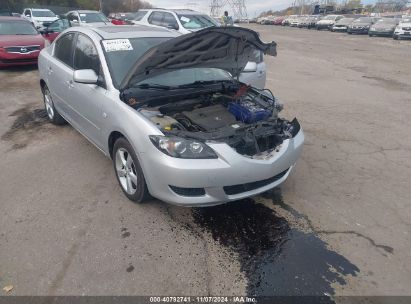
(227, 48)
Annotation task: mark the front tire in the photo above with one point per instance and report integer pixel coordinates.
(128, 171)
(52, 113)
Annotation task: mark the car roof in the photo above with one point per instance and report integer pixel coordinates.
(131, 31)
(39, 9)
(177, 11)
(84, 11)
(13, 18)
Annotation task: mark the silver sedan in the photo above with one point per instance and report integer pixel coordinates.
(170, 111)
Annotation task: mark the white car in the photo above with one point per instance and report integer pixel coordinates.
(186, 21)
(87, 18)
(403, 29)
(40, 18)
(328, 22)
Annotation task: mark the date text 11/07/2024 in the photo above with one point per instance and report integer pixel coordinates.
(234, 299)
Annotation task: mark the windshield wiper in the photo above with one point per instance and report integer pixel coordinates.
(201, 83)
(154, 86)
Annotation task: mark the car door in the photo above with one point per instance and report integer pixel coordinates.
(86, 100)
(60, 74)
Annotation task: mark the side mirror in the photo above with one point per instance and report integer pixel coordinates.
(250, 67)
(85, 76)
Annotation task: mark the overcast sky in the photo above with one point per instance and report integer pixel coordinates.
(254, 7)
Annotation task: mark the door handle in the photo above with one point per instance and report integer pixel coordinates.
(70, 84)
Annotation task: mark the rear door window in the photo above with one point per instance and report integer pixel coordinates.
(170, 21)
(156, 18)
(63, 49)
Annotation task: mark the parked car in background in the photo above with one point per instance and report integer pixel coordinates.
(295, 21)
(54, 29)
(200, 141)
(403, 29)
(87, 18)
(183, 20)
(311, 21)
(187, 21)
(328, 22)
(383, 27)
(278, 20)
(287, 21)
(39, 17)
(342, 25)
(20, 42)
(303, 22)
(121, 18)
(360, 25)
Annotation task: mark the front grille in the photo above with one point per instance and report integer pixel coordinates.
(46, 23)
(406, 28)
(191, 192)
(22, 49)
(237, 189)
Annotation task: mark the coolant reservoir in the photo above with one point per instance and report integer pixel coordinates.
(160, 120)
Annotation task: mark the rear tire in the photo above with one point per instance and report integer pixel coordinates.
(52, 113)
(128, 171)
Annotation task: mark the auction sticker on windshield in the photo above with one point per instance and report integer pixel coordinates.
(185, 19)
(117, 45)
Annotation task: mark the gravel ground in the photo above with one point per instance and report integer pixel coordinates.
(340, 225)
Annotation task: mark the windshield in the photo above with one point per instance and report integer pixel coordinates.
(387, 21)
(345, 21)
(93, 17)
(406, 20)
(192, 22)
(187, 76)
(17, 28)
(139, 15)
(363, 19)
(43, 13)
(120, 61)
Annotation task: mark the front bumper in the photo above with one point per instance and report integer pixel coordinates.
(339, 29)
(11, 59)
(403, 34)
(358, 30)
(230, 177)
(381, 33)
(324, 26)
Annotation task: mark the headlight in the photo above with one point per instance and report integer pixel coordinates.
(182, 148)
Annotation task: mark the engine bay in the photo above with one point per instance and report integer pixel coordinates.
(246, 119)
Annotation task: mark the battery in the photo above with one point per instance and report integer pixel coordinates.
(248, 112)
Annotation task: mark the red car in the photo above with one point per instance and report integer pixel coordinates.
(20, 43)
(54, 29)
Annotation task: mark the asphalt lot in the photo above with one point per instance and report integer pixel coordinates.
(340, 225)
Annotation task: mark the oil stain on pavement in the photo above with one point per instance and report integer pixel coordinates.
(25, 126)
(276, 258)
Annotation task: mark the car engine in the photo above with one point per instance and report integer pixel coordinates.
(246, 120)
